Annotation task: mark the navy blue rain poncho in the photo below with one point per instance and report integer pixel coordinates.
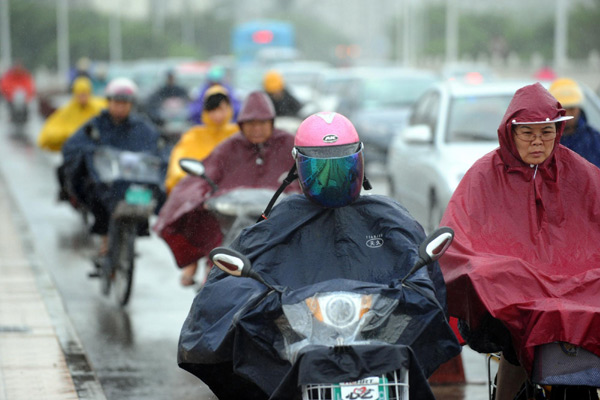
(133, 134)
(373, 240)
(585, 141)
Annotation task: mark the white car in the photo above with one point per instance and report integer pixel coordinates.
(451, 126)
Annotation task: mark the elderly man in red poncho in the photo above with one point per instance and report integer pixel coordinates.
(524, 268)
(258, 156)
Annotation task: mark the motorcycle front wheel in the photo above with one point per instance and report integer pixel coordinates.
(122, 260)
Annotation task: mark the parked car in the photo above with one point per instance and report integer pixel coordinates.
(451, 126)
(378, 102)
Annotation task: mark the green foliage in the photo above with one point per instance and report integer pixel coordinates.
(584, 30)
(34, 36)
(478, 31)
(434, 37)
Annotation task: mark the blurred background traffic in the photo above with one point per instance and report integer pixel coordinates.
(371, 63)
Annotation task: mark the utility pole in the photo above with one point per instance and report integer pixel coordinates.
(6, 61)
(560, 36)
(115, 41)
(451, 31)
(187, 23)
(62, 36)
(406, 51)
(158, 17)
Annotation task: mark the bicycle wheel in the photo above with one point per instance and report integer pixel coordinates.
(123, 262)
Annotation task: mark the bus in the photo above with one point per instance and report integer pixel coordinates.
(263, 38)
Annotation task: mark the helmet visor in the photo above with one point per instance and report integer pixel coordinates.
(331, 182)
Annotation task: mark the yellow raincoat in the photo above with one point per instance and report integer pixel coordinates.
(197, 143)
(65, 121)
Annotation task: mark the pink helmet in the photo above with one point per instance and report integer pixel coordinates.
(325, 129)
(329, 159)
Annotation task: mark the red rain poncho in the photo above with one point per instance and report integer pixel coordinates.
(527, 244)
(190, 230)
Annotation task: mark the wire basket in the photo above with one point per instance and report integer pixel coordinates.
(390, 386)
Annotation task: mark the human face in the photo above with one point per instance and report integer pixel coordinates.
(82, 98)
(537, 151)
(257, 131)
(119, 110)
(219, 115)
(571, 124)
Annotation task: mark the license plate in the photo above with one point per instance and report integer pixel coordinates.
(373, 387)
(138, 196)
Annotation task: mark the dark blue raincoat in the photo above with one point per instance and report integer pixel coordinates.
(367, 246)
(585, 141)
(134, 134)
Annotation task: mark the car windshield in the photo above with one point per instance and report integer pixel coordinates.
(476, 118)
(389, 91)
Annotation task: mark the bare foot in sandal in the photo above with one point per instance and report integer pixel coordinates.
(187, 277)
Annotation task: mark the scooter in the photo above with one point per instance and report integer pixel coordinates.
(19, 111)
(235, 209)
(134, 183)
(344, 339)
(560, 371)
(172, 115)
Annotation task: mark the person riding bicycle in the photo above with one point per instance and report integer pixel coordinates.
(578, 135)
(286, 105)
(15, 80)
(200, 140)
(523, 268)
(63, 123)
(169, 90)
(257, 156)
(115, 127)
(215, 76)
(329, 232)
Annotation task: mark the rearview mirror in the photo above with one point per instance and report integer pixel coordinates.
(196, 168)
(235, 263)
(230, 261)
(436, 244)
(432, 248)
(417, 134)
(192, 166)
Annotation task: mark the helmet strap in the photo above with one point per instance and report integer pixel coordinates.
(366, 184)
(291, 176)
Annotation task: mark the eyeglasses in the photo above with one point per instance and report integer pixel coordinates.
(530, 137)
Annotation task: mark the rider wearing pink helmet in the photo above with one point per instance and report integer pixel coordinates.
(329, 159)
(331, 234)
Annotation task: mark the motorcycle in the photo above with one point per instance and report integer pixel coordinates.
(342, 339)
(19, 111)
(234, 209)
(134, 187)
(560, 371)
(171, 119)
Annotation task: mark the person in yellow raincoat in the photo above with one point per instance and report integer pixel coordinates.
(66, 120)
(200, 140)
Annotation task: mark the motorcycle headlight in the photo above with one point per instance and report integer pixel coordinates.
(339, 309)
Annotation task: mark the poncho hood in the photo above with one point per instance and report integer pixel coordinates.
(531, 103)
(257, 107)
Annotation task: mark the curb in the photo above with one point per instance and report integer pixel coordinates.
(83, 376)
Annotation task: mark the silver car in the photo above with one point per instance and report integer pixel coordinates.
(451, 126)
